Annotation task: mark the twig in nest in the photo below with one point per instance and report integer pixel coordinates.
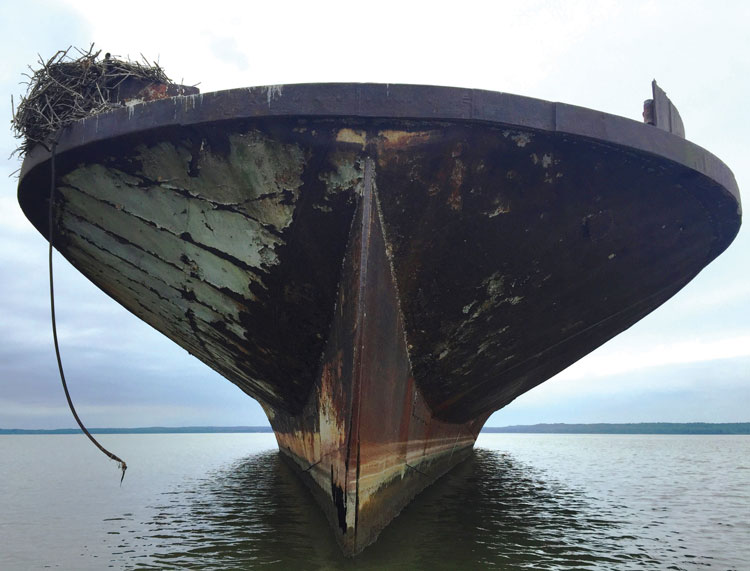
(69, 87)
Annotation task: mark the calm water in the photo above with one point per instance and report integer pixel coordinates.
(522, 502)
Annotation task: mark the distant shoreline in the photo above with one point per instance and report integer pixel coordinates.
(630, 428)
(557, 428)
(146, 430)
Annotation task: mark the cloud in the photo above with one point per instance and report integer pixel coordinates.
(608, 362)
(227, 49)
(711, 391)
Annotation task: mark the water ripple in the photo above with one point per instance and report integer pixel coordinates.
(492, 511)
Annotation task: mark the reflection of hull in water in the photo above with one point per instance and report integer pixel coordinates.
(382, 267)
(491, 510)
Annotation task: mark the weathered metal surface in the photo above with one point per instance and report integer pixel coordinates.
(382, 267)
(539, 247)
(367, 441)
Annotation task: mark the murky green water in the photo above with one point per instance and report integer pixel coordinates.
(522, 502)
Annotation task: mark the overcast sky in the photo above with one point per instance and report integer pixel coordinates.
(688, 361)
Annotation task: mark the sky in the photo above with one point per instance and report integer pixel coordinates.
(689, 361)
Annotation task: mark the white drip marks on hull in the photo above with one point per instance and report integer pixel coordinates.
(272, 92)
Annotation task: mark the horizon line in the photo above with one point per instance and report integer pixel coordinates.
(537, 427)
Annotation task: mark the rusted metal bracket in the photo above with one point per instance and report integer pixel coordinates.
(661, 112)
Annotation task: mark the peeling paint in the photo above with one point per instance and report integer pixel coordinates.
(354, 136)
(394, 139)
(494, 284)
(346, 176)
(521, 139)
(501, 209)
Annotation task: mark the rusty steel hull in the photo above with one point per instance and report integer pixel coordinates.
(381, 267)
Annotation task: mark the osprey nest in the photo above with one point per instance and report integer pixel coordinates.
(68, 87)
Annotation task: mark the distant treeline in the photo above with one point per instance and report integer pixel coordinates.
(636, 428)
(147, 430)
(560, 428)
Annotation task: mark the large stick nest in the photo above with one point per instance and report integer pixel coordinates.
(69, 87)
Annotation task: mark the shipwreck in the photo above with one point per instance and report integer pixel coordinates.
(381, 266)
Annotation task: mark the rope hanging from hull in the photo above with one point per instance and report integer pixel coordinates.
(123, 466)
